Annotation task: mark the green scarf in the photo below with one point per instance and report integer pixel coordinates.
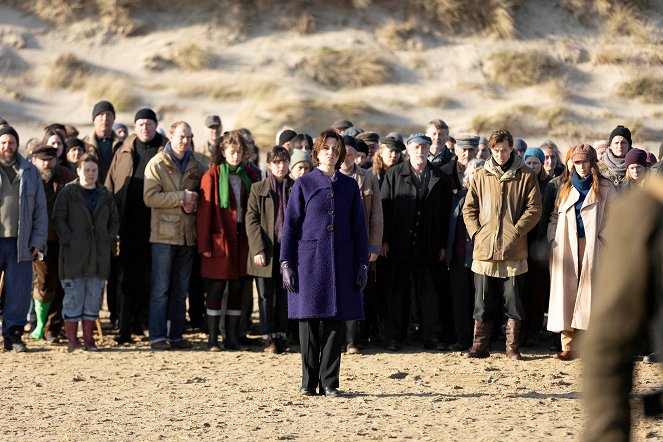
(224, 170)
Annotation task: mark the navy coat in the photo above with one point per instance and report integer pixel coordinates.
(324, 236)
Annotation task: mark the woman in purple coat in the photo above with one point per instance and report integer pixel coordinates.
(324, 261)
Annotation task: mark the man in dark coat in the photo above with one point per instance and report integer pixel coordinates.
(439, 154)
(47, 291)
(125, 180)
(416, 204)
(630, 301)
(103, 142)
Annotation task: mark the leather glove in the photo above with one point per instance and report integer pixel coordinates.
(362, 277)
(289, 276)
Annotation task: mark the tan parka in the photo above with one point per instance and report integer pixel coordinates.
(500, 208)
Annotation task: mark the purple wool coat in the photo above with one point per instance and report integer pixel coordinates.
(324, 235)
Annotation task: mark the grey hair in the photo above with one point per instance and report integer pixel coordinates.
(472, 166)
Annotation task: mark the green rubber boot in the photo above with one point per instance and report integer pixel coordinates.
(41, 311)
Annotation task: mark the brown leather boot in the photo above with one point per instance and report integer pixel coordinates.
(481, 343)
(512, 338)
(72, 340)
(88, 335)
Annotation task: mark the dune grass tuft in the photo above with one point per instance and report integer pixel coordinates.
(509, 120)
(114, 89)
(646, 88)
(66, 72)
(511, 68)
(347, 68)
(192, 57)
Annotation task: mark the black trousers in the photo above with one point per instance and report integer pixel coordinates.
(272, 304)
(405, 275)
(462, 300)
(488, 291)
(136, 271)
(321, 342)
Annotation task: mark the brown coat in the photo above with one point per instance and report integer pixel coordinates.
(372, 201)
(260, 222)
(164, 194)
(570, 292)
(500, 209)
(92, 149)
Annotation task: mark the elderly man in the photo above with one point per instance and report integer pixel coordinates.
(465, 150)
(47, 292)
(416, 204)
(103, 142)
(483, 151)
(125, 180)
(613, 164)
(503, 203)
(438, 131)
(172, 181)
(23, 234)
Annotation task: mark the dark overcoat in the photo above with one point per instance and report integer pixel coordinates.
(324, 236)
(399, 207)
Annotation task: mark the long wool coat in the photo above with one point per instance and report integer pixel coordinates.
(218, 230)
(324, 235)
(570, 292)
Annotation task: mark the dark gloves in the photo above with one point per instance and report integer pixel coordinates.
(362, 277)
(289, 276)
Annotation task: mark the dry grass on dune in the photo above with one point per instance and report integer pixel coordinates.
(510, 120)
(11, 63)
(66, 72)
(647, 88)
(400, 35)
(511, 68)
(114, 89)
(192, 57)
(347, 68)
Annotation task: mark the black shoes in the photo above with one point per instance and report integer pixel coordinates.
(15, 344)
(331, 391)
(391, 346)
(435, 344)
(325, 391)
(305, 391)
(181, 345)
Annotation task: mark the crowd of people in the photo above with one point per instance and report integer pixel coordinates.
(444, 241)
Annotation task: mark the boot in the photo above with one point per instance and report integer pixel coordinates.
(351, 337)
(88, 335)
(481, 343)
(213, 333)
(72, 340)
(512, 338)
(232, 327)
(41, 311)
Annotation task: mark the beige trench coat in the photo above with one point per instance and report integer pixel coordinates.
(570, 292)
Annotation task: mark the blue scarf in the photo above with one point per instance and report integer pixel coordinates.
(582, 185)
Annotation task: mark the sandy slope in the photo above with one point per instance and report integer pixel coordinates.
(134, 393)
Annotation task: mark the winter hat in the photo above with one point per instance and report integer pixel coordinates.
(286, 135)
(353, 131)
(45, 152)
(624, 132)
(146, 114)
(583, 152)
(8, 130)
(117, 126)
(350, 141)
(419, 138)
(75, 142)
(369, 137)
(636, 156)
(393, 144)
(519, 145)
(395, 136)
(534, 152)
(362, 147)
(297, 156)
(483, 140)
(467, 141)
(651, 159)
(341, 124)
(212, 120)
(102, 106)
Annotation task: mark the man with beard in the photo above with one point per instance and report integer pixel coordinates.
(416, 204)
(126, 181)
(23, 234)
(47, 292)
(103, 142)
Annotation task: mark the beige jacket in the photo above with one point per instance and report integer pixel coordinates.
(370, 196)
(570, 292)
(164, 194)
(500, 208)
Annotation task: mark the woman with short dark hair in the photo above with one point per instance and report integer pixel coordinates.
(324, 261)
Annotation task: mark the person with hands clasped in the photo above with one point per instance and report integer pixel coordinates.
(324, 261)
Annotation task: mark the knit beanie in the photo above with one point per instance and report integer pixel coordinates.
(534, 152)
(350, 141)
(8, 130)
(636, 156)
(297, 156)
(362, 147)
(583, 152)
(75, 142)
(624, 132)
(102, 106)
(146, 114)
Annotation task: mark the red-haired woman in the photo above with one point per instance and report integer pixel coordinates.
(576, 231)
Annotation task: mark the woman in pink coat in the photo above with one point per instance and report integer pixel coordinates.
(576, 231)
